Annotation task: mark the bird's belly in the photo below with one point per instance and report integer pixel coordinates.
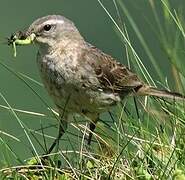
(73, 99)
(80, 100)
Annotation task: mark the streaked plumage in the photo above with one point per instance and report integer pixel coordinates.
(79, 77)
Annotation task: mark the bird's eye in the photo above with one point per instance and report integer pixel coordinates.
(47, 27)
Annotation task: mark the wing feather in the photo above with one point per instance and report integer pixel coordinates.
(112, 75)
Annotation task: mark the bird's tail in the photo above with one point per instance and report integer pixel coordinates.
(152, 91)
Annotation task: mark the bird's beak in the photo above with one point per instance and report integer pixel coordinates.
(27, 40)
(21, 38)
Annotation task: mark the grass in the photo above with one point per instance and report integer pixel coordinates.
(142, 138)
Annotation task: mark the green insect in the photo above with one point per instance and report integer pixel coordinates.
(14, 49)
(20, 39)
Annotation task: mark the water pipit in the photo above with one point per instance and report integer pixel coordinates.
(79, 77)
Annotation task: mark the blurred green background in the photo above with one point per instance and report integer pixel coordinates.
(97, 29)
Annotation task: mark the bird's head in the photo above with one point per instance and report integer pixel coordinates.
(47, 31)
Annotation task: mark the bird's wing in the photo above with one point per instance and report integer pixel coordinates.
(111, 74)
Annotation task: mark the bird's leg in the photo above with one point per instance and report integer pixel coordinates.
(62, 129)
(92, 127)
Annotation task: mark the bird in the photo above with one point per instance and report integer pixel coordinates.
(80, 78)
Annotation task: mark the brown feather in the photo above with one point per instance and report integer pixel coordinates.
(112, 75)
(152, 91)
(116, 77)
